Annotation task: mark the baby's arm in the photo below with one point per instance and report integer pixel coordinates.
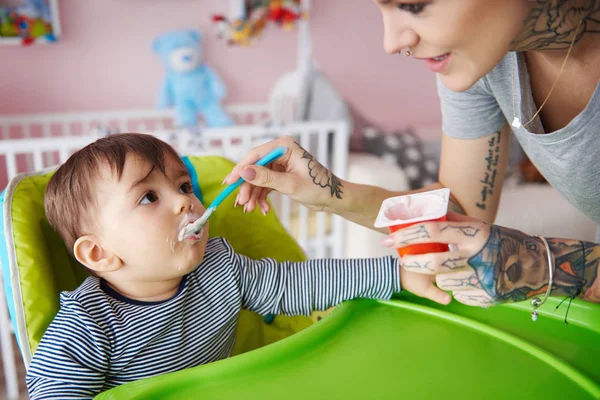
(298, 288)
(71, 360)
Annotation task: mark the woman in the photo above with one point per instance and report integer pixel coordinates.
(521, 65)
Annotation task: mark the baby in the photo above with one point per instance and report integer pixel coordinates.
(154, 305)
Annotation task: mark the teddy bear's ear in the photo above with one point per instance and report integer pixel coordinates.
(157, 44)
(194, 35)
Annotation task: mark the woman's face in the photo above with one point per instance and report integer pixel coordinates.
(462, 40)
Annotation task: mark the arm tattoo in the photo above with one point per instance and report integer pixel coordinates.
(489, 179)
(512, 266)
(551, 24)
(321, 176)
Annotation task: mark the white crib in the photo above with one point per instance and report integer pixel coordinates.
(33, 142)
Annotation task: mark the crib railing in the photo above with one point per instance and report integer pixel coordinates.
(35, 142)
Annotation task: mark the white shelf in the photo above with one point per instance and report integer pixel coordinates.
(17, 41)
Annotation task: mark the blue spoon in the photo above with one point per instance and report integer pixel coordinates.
(197, 225)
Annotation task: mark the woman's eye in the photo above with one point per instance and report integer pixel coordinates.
(148, 198)
(186, 188)
(413, 8)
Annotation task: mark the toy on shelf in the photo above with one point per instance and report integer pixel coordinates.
(33, 20)
(284, 13)
(247, 19)
(239, 32)
(190, 85)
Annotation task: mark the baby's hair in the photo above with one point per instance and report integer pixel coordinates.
(71, 192)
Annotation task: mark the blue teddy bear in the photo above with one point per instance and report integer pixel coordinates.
(190, 86)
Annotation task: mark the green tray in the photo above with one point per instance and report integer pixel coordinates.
(370, 349)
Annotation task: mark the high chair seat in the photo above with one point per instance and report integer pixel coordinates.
(36, 265)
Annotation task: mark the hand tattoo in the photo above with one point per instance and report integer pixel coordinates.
(321, 176)
(414, 233)
(470, 231)
(458, 283)
(454, 263)
(474, 300)
(418, 266)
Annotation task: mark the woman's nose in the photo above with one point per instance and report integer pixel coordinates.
(397, 35)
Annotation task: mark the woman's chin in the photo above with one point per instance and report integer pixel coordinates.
(457, 82)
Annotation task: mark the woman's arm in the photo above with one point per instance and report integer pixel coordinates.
(491, 264)
(472, 169)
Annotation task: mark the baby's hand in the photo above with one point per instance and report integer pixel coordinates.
(423, 286)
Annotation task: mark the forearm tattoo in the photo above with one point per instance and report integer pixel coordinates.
(321, 176)
(489, 179)
(512, 266)
(551, 24)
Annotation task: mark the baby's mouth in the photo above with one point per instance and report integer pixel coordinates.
(190, 219)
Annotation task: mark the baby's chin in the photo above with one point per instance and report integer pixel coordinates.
(191, 260)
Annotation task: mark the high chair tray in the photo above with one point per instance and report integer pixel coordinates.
(399, 349)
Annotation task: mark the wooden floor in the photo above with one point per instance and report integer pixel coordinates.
(20, 371)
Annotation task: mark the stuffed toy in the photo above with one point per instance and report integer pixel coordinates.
(190, 86)
(248, 18)
(239, 32)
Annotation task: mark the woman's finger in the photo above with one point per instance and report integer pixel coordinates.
(422, 286)
(438, 232)
(465, 279)
(258, 152)
(244, 194)
(253, 201)
(474, 298)
(263, 204)
(436, 263)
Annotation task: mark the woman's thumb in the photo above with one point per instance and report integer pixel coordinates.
(266, 177)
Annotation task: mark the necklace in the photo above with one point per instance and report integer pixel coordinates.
(517, 121)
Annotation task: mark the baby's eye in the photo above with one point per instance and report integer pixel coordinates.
(148, 198)
(186, 187)
(413, 8)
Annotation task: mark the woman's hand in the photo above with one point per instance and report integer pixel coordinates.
(297, 174)
(487, 264)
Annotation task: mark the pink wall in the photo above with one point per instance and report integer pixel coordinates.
(104, 62)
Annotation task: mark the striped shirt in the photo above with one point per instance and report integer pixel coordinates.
(100, 339)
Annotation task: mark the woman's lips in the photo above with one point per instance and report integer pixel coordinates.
(439, 63)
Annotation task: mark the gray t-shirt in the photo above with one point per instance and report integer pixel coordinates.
(568, 157)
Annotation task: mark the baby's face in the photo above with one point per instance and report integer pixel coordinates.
(140, 216)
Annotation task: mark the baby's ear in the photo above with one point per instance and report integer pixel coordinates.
(89, 252)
